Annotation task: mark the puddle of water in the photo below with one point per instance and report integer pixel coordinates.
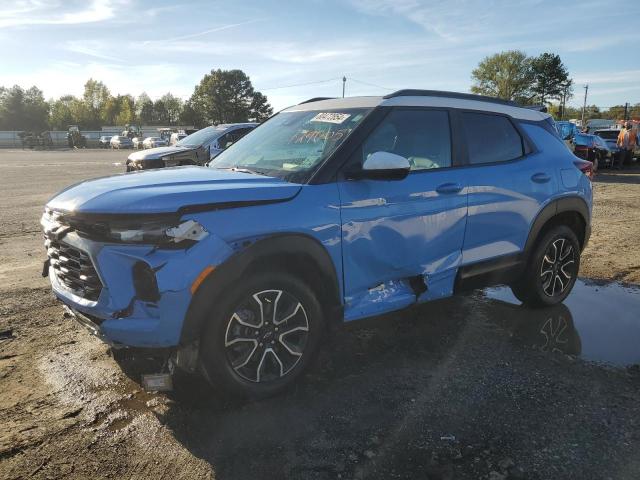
(598, 322)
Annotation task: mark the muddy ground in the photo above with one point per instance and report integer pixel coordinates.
(471, 387)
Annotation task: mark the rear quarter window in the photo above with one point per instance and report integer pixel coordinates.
(491, 138)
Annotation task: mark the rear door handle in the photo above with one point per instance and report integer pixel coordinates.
(540, 177)
(449, 188)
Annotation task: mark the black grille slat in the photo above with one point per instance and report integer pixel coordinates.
(72, 267)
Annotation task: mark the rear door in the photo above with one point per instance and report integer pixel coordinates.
(402, 237)
(507, 184)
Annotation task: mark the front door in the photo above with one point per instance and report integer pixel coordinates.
(402, 239)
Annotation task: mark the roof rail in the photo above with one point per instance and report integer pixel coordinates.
(316, 99)
(439, 93)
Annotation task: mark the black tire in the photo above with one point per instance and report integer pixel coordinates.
(546, 282)
(259, 369)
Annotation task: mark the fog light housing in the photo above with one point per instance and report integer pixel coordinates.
(145, 283)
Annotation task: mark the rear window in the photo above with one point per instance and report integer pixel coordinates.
(608, 134)
(491, 138)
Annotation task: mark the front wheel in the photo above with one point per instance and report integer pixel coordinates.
(263, 334)
(552, 269)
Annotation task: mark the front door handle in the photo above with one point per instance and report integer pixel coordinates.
(540, 177)
(449, 188)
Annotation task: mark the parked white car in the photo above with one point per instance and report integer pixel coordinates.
(138, 143)
(120, 141)
(153, 142)
(176, 137)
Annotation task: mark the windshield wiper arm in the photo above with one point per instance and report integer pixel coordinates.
(243, 170)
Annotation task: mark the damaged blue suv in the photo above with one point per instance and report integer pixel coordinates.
(331, 211)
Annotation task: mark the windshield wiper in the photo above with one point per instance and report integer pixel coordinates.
(244, 170)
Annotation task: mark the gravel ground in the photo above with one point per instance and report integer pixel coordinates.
(441, 391)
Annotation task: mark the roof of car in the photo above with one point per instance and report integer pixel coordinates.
(425, 98)
(224, 126)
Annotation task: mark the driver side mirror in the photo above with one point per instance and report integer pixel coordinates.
(383, 166)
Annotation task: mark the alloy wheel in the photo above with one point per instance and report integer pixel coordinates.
(266, 335)
(558, 267)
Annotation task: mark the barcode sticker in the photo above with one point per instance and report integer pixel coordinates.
(329, 117)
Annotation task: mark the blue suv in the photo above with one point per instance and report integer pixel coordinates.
(331, 211)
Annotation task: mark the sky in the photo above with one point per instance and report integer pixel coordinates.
(295, 50)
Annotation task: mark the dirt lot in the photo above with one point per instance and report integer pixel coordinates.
(472, 387)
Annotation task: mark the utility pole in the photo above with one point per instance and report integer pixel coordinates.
(626, 111)
(584, 107)
(344, 81)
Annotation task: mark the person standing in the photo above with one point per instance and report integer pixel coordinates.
(623, 144)
(633, 141)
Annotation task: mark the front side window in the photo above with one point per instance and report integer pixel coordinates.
(291, 145)
(490, 138)
(421, 136)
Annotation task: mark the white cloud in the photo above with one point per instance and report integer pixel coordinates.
(43, 12)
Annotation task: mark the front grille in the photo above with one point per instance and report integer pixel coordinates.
(72, 267)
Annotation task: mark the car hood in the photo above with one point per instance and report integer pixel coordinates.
(169, 190)
(158, 152)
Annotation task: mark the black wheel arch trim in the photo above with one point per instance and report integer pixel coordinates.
(508, 268)
(561, 205)
(239, 264)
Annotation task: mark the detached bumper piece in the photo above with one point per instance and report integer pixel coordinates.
(90, 323)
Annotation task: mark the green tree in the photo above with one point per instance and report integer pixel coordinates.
(160, 112)
(144, 109)
(23, 110)
(126, 110)
(173, 106)
(190, 116)
(549, 77)
(226, 96)
(260, 109)
(506, 75)
(95, 98)
(62, 112)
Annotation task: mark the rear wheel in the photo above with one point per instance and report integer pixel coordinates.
(552, 269)
(263, 334)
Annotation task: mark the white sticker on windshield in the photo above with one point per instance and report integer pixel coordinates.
(329, 117)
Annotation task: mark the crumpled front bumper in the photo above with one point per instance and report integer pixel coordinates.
(118, 315)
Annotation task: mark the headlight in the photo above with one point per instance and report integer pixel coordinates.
(170, 161)
(159, 233)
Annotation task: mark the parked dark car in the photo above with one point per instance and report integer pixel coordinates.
(104, 141)
(610, 137)
(196, 149)
(594, 149)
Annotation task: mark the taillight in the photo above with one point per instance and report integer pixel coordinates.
(585, 167)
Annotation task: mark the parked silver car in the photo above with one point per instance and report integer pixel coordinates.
(104, 141)
(120, 141)
(195, 149)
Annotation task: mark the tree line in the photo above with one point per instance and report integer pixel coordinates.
(222, 96)
(541, 80)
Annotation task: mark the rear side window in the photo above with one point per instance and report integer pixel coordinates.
(421, 136)
(491, 138)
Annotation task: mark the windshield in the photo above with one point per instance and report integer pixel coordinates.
(200, 137)
(292, 144)
(584, 140)
(565, 130)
